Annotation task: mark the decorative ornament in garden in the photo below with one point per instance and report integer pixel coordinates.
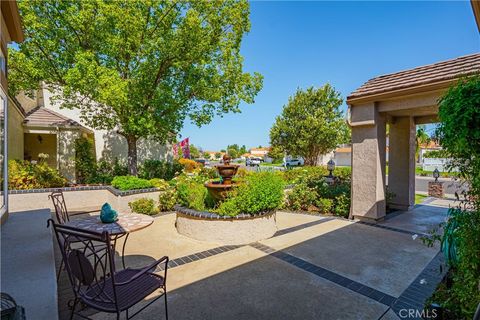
(219, 189)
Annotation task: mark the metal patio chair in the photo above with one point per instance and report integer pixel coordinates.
(60, 207)
(94, 279)
(62, 216)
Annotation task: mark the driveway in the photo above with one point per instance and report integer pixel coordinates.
(315, 267)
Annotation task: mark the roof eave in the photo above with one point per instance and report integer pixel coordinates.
(385, 95)
(13, 20)
(476, 11)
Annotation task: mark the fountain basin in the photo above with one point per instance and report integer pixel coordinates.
(219, 191)
(211, 227)
(227, 171)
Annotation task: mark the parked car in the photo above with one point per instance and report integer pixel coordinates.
(293, 162)
(253, 162)
(203, 161)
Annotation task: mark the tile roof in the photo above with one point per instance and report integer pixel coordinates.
(41, 116)
(424, 75)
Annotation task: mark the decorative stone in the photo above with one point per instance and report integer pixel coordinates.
(107, 214)
(435, 189)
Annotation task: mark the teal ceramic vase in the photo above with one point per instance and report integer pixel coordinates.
(107, 214)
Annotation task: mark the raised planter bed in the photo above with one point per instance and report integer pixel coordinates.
(211, 227)
(79, 198)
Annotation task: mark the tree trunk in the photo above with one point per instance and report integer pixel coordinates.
(132, 155)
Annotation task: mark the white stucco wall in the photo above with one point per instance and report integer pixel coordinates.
(108, 144)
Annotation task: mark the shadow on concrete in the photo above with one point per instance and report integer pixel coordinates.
(252, 285)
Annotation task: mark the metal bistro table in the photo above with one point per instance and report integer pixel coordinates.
(125, 224)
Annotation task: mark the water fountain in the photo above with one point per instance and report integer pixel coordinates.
(229, 230)
(219, 189)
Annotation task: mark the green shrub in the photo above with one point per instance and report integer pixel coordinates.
(160, 184)
(85, 162)
(459, 136)
(436, 154)
(192, 194)
(303, 174)
(107, 170)
(24, 175)
(324, 205)
(159, 169)
(260, 192)
(130, 183)
(342, 205)
(167, 199)
(143, 206)
(301, 197)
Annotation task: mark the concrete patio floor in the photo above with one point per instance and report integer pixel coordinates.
(315, 267)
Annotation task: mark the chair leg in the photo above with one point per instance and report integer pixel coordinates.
(166, 308)
(59, 270)
(73, 308)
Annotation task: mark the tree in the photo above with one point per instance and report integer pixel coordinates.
(194, 152)
(140, 67)
(206, 155)
(311, 124)
(459, 135)
(422, 137)
(276, 154)
(233, 150)
(218, 155)
(459, 130)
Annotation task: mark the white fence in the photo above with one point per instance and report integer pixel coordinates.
(430, 164)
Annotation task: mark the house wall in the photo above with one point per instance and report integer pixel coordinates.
(108, 144)
(343, 159)
(15, 132)
(48, 145)
(66, 153)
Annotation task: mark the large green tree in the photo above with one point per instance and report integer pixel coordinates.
(421, 137)
(140, 67)
(311, 124)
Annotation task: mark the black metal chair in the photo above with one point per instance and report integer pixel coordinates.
(60, 207)
(94, 279)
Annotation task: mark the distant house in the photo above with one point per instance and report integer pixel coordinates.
(261, 152)
(426, 147)
(39, 125)
(213, 155)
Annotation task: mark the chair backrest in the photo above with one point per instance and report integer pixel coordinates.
(89, 261)
(60, 207)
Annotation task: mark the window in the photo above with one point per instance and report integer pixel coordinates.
(3, 63)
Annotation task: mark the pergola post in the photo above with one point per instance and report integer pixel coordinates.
(401, 163)
(368, 163)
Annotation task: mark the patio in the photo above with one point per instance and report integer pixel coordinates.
(315, 267)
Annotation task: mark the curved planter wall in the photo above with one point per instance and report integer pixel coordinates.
(242, 229)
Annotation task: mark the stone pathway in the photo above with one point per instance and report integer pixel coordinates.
(313, 268)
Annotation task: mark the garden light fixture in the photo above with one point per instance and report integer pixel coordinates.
(331, 167)
(436, 174)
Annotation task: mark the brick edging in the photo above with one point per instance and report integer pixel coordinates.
(214, 216)
(112, 190)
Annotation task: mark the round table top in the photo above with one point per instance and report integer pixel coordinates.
(126, 223)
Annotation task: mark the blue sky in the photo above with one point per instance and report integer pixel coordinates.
(301, 44)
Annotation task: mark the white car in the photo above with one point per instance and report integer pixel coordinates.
(293, 162)
(253, 162)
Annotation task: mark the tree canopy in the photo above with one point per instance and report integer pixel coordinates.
(311, 124)
(139, 67)
(235, 151)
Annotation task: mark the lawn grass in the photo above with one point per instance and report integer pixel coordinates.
(419, 198)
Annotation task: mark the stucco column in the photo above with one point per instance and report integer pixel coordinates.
(401, 163)
(368, 163)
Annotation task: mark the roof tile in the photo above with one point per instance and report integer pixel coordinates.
(428, 74)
